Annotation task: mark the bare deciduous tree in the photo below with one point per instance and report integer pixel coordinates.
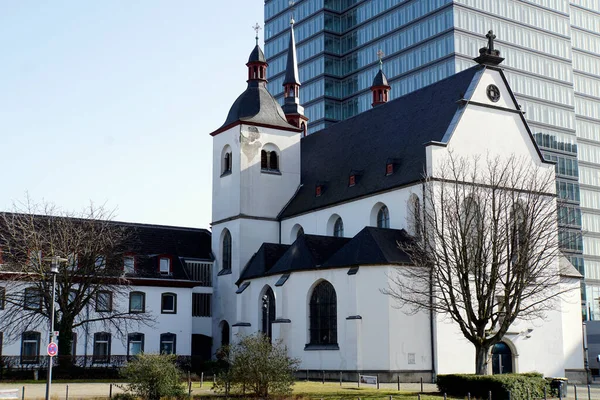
(88, 285)
(486, 249)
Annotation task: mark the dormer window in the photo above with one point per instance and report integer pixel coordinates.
(318, 190)
(389, 168)
(352, 180)
(164, 265)
(129, 264)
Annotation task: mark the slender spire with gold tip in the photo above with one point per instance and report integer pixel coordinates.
(294, 112)
(380, 87)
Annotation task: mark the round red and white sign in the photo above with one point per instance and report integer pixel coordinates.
(52, 349)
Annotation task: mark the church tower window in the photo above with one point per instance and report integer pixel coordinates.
(338, 228)
(226, 250)
(383, 218)
(323, 315)
(269, 161)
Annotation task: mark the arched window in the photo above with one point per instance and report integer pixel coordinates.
(227, 163)
(414, 215)
(383, 218)
(226, 250)
(501, 359)
(224, 333)
(296, 232)
(300, 232)
(519, 232)
(269, 159)
(323, 314)
(338, 228)
(268, 312)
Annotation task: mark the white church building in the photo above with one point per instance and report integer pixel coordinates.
(305, 228)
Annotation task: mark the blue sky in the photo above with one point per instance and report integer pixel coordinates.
(113, 101)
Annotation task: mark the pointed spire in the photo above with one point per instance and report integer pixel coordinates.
(291, 83)
(380, 87)
(291, 72)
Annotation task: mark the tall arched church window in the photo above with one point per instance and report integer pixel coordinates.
(519, 232)
(226, 251)
(338, 228)
(268, 312)
(225, 334)
(383, 218)
(414, 214)
(323, 314)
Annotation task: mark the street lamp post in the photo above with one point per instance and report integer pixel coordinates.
(54, 271)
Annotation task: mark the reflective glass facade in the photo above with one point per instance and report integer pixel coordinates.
(552, 61)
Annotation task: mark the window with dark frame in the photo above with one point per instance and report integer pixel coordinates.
(104, 301)
(383, 217)
(135, 344)
(168, 343)
(323, 315)
(269, 161)
(164, 265)
(168, 303)
(338, 228)
(30, 348)
(32, 299)
(137, 302)
(101, 350)
(129, 264)
(227, 250)
(201, 304)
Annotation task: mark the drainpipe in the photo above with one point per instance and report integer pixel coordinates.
(431, 313)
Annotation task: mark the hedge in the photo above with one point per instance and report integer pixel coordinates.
(520, 386)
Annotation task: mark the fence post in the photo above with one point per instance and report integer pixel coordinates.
(340, 378)
(110, 392)
(201, 379)
(468, 395)
(67, 395)
(358, 380)
(323, 377)
(490, 395)
(589, 393)
(421, 385)
(445, 398)
(23, 394)
(391, 398)
(377, 375)
(419, 396)
(306, 375)
(398, 382)
(575, 391)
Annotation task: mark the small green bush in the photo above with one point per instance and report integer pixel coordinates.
(153, 376)
(520, 386)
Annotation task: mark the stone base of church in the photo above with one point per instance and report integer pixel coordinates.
(577, 376)
(352, 376)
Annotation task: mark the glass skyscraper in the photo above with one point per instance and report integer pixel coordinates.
(552, 51)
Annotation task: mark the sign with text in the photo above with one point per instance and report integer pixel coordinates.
(368, 379)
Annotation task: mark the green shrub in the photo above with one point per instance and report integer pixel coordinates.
(520, 386)
(152, 376)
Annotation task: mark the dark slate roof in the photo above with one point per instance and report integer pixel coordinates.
(263, 260)
(148, 242)
(291, 71)
(380, 79)
(372, 246)
(256, 106)
(257, 55)
(393, 132)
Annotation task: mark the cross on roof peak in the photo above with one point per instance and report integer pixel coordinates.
(257, 29)
(490, 36)
(292, 4)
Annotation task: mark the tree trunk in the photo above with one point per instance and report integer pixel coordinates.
(65, 343)
(481, 359)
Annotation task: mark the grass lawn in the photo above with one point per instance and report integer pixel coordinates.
(332, 390)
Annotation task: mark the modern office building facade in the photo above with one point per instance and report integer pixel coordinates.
(552, 50)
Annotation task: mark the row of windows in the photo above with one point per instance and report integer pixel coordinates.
(589, 4)
(567, 191)
(584, 19)
(589, 176)
(587, 63)
(585, 41)
(520, 59)
(586, 85)
(592, 246)
(564, 165)
(557, 5)
(511, 32)
(591, 223)
(269, 160)
(590, 199)
(555, 140)
(588, 130)
(30, 346)
(570, 241)
(568, 215)
(302, 31)
(522, 13)
(548, 115)
(302, 10)
(589, 153)
(540, 88)
(587, 108)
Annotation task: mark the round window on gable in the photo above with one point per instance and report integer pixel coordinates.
(493, 93)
